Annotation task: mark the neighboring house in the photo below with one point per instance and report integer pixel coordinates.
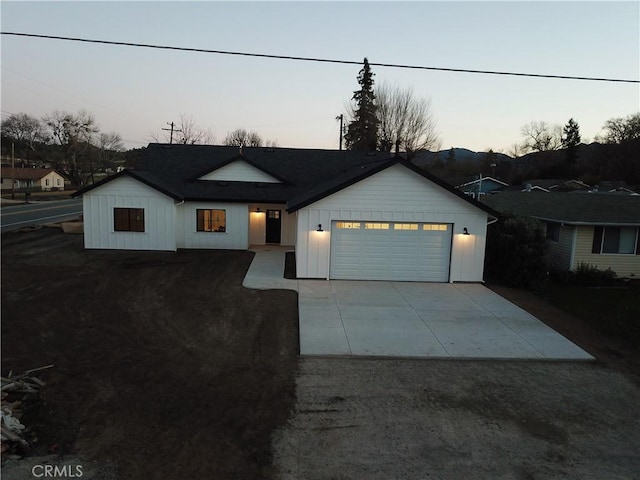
(476, 187)
(597, 229)
(45, 179)
(350, 215)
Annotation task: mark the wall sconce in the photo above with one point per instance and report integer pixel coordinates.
(319, 229)
(258, 210)
(465, 231)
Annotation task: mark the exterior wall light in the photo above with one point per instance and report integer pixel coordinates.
(319, 229)
(465, 231)
(258, 210)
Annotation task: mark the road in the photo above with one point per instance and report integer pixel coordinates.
(19, 216)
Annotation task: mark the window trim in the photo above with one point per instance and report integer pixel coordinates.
(137, 226)
(201, 223)
(599, 238)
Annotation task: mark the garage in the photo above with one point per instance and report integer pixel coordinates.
(400, 251)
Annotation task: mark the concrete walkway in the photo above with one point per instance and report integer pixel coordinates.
(409, 319)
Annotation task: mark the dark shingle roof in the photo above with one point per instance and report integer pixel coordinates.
(572, 208)
(306, 175)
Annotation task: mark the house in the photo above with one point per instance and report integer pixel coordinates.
(36, 179)
(596, 229)
(477, 186)
(349, 215)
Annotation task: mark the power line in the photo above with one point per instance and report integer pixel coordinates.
(311, 59)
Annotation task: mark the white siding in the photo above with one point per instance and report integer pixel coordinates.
(240, 171)
(257, 227)
(625, 265)
(396, 194)
(126, 192)
(236, 236)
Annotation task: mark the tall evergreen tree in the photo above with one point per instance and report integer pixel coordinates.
(362, 132)
(570, 141)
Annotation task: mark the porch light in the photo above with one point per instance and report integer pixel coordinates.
(319, 229)
(465, 231)
(258, 210)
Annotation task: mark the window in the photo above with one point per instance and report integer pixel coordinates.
(553, 231)
(128, 219)
(435, 226)
(46, 182)
(376, 226)
(211, 220)
(347, 225)
(58, 182)
(405, 226)
(621, 240)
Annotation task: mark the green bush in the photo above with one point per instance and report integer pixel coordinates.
(517, 252)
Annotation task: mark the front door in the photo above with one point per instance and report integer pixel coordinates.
(273, 226)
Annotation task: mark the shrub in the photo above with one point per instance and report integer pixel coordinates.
(517, 252)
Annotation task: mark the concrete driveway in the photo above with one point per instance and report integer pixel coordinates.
(409, 319)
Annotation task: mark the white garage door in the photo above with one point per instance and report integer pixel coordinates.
(390, 251)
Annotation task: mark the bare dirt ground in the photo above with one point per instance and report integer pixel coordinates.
(165, 366)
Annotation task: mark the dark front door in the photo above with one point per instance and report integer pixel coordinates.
(273, 226)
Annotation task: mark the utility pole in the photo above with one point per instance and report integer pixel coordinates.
(172, 129)
(340, 117)
(13, 172)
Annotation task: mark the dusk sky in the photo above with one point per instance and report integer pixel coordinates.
(136, 91)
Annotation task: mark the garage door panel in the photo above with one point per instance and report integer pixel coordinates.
(391, 251)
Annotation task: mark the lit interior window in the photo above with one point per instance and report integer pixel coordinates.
(347, 225)
(435, 226)
(405, 226)
(376, 226)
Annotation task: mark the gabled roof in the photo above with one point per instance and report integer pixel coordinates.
(307, 175)
(578, 208)
(26, 173)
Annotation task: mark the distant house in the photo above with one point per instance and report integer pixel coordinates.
(349, 215)
(36, 179)
(597, 229)
(476, 186)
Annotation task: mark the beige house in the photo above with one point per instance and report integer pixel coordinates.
(599, 229)
(44, 179)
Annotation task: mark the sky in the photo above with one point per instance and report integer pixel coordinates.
(136, 92)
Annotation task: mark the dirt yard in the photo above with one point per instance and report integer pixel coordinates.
(165, 366)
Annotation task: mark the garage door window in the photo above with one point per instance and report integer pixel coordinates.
(376, 226)
(435, 227)
(347, 225)
(405, 226)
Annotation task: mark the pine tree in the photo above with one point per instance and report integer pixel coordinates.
(570, 141)
(362, 132)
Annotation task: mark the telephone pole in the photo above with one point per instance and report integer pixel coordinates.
(340, 117)
(172, 129)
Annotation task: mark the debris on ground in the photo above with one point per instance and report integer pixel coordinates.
(18, 392)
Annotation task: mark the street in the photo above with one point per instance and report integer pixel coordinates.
(19, 216)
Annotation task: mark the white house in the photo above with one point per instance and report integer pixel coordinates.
(349, 215)
(45, 179)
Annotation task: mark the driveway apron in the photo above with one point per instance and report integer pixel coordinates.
(410, 319)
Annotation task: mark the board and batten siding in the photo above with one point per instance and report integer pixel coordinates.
(236, 236)
(395, 194)
(625, 265)
(125, 192)
(258, 228)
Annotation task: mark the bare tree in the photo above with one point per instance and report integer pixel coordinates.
(74, 135)
(618, 130)
(406, 123)
(109, 148)
(24, 129)
(541, 137)
(242, 138)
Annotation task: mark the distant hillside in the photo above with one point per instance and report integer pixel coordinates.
(461, 155)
